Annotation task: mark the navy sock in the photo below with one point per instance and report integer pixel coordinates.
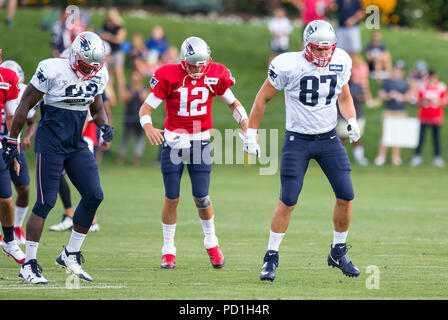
(8, 233)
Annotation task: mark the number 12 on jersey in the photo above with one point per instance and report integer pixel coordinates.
(305, 92)
(195, 109)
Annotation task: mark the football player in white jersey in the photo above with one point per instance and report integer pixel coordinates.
(69, 87)
(313, 81)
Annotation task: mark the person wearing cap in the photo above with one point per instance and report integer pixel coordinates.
(395, 92)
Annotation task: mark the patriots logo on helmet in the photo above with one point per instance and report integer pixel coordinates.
(40, 76)
(84, 43)
(190, 49)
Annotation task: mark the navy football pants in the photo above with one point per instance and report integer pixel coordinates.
(327, 149)
(198, 161)
(82, 169)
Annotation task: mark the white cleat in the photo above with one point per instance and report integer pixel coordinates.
(12, 249)
(30, 272)
(438, 162)
(72, 261)
(65, 224)
(416, 161)
(94, 227)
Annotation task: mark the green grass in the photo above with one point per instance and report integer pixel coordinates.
(399, 214)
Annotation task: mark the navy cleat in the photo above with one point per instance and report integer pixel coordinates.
(270, 264)
(338, 258)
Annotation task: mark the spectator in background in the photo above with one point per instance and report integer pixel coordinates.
(395, 92)
(417, 78)
(157, 45)
(139, 56)
(312, 10)
(378, 57)
(348, 33)
(358, 96)
(171, 56)
(432, 97)
(114, 33)
(60, 35)
(134, 97)
(280, 28)
(11, 10)
(360, 76)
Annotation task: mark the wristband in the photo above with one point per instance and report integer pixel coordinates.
(239, 114)
(251, 134)
(144, 120)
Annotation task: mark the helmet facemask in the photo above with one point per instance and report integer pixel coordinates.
(204, 67)
(84, 70)
(316, 59)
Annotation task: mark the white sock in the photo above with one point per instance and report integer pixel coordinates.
(358, 152)
(76, 240)
(169, 231)
(339, 237)
(19, 215)
(274, 240)
(210, 239)
(31, 250)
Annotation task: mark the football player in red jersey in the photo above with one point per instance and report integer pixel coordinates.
(9, 92)
(187, 88)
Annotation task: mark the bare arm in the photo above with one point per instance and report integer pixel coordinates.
(154, 135)
(346, 105)
(265, 94)
(98, 112)
(30, 98)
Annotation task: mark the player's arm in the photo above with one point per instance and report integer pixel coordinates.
(238, 111)
(154, 135)
(264, 95)
(100, 118)
(31, 128)
(348, 111)
(30, 98)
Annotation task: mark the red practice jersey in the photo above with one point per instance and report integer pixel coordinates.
(9, 87)
(188, 101)
(432, 112)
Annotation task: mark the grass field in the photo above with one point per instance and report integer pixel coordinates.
(399, 214)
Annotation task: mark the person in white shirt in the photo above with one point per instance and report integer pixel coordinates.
(313, 81)
(280, 28)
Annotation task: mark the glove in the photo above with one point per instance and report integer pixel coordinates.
(250, 144)
(108, 132)
(353, 130)
(10, 151)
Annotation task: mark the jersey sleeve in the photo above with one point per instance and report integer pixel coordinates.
(42, 78)
(226, 80)
(159, 84)
(347, 71)
(103, 81)
(277, 75)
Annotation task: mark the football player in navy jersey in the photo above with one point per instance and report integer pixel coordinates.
(70, 87)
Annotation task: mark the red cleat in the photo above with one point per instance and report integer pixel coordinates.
(20, 235)
(168, 261)
(1, 239)
(216, 257)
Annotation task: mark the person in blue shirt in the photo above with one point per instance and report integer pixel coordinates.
(157, 44)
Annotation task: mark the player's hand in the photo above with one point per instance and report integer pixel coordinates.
(108, 132)
(11, 154)
(154, 135)
(354, 134)
(250, 144)
(105, 146)
(26, 143)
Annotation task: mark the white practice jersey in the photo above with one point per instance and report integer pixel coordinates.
(62, 87)
(310, 91)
